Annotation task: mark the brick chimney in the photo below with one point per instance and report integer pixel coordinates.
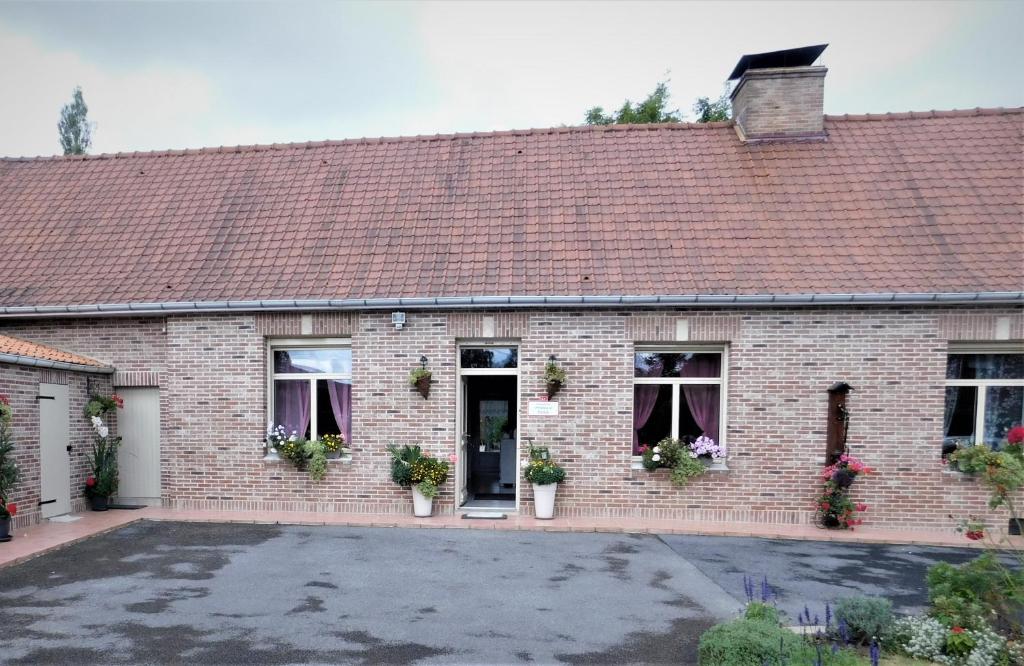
(780, 95)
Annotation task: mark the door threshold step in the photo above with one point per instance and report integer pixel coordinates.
(67, 518)
(484, 515)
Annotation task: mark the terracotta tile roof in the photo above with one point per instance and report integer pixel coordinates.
(915, 203)
(31, 350)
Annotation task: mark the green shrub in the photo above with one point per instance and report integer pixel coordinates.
(761, 612)
(747, 643)
(865, 617)
(750, 642)
(687, 468)
(977, 593)
(316, 454)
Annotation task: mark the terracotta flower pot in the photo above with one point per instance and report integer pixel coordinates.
(423, 386)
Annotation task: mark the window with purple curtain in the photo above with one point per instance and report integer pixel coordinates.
(671, 397)
(312, 391)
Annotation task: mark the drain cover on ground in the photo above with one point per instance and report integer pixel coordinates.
(64, 519)
(484, 515)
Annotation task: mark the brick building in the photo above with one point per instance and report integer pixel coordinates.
(691, 280)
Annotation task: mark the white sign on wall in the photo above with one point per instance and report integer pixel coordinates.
(541, 408)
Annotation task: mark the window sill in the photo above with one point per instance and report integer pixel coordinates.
(274, 458)
(719, 466)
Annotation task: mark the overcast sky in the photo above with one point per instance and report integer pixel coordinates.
(176, 74)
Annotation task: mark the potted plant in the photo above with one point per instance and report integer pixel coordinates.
(686, 461)
(412, 468)
(101, 485)
(554, 378)
(545, 475)
(419, 379)
(334, 445)
(9, 471)
(307, 455)
(835, 508)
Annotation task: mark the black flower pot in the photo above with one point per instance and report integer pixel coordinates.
(843, 478)
(553, 387)
(99, 503)
(5, 529)
(830, 522)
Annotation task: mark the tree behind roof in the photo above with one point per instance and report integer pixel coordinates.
(74, 129)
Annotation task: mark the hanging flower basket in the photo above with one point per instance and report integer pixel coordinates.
(420, 379)
(554, 378)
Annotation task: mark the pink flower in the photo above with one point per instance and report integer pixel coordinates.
(4, 399)
(453, 459)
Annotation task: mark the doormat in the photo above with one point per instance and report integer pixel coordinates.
(131, 507)
(64, 519)
(484, 515)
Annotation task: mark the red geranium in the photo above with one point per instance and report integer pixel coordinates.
(12, 509)
(1015, 436)
(975, 535)
(118, 400)
(90, 482)
(957, 630)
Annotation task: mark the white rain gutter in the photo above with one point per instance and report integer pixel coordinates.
(502, 302)
(55, 365)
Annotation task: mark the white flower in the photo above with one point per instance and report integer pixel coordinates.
(657, 449)
(655, 457)
(692, 454)
(97, 422)
(525, 463)
(102, 431)
(293, 437)
(273, 449)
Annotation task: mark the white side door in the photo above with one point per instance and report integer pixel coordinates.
(54, 456)
(138, 458)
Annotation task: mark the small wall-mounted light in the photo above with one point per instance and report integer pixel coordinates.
(398, 319)
(552, 358)
(423, 362)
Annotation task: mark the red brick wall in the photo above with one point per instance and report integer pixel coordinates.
(781, 362)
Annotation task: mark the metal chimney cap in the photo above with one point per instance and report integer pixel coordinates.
(799, 57)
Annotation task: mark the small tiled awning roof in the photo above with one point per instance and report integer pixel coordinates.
(23, 352)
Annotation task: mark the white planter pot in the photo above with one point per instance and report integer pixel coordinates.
(544, 500)
(422, 506)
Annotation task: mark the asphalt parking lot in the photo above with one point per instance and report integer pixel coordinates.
(160, 592)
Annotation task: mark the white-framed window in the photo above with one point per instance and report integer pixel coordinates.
(678, 392)
(310, 387)
(984, 394)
